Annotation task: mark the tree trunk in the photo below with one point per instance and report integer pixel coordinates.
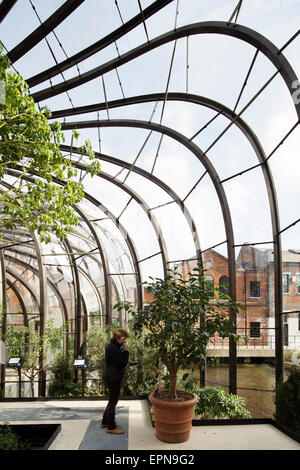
(172, 386)
(32, 386)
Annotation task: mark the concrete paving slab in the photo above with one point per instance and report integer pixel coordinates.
(96, 438)
(80, 418)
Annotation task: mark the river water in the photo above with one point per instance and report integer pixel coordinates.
(258, 376)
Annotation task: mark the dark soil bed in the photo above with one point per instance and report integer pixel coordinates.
(182, 395)
(35, 436)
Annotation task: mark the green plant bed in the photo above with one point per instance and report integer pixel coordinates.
(27, 436)
(214, 402)
(288, 402)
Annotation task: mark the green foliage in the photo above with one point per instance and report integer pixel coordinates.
(96, 341)
(288, 402)
(143, 371)
(214, 402)
(61, 379)
(10, 440)
(181, 319)
(29, 344)
(30, 145)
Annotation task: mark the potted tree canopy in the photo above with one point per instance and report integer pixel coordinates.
(180, 321)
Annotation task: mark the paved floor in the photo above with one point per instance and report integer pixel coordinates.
(80, 421)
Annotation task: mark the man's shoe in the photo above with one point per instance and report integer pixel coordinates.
(103, 425)
(115, 431)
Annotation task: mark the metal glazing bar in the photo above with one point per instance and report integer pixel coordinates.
(148, 257)
(123, 210)
(162, 205)
(195, 185)
(53, 55)
(138, 155)
(176, 15)
(240, 173)
(288, 227)
(214, 246)
(87, 253)
(253, 244)
(289, 41)
(99, 45)
(120, 83)
(235, 12)
(105, 96)
(289, 313)
(144, 23)
(83, 253)
(122, 274)
(282, 140)
(246, 79)
(242, 111)
(266, 159)
(157, 153)
(44, 29)
(15, 244)
(206, 125)
(116, 3)
(168, 82)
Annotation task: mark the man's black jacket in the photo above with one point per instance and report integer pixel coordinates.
(115, 362)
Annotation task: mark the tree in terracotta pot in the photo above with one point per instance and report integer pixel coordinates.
(180, 321)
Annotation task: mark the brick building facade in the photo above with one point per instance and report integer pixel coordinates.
(255, 291)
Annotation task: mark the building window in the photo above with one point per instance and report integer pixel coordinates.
(254, 289)
(298, 283)
(210, 280)
(286, 283)
(255, 329)
(224, 285)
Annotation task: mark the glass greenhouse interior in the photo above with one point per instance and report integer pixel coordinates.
(193, 110)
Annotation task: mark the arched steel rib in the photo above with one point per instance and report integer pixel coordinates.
(44, 29)
(155, 180)
(258, 149)
(31, 268)
(25, 284)
(105, 265)
(17, 293)
(209, 27)
(99, 45)
(218, 187)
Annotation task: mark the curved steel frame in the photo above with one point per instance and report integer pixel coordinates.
(259, 151)
(211, 27)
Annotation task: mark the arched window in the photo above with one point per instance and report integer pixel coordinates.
(224, 285)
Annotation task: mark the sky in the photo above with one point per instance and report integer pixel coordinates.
(217, 68)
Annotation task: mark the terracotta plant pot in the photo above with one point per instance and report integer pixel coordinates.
(173, 419)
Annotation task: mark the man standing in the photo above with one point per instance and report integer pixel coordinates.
(116, 358)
